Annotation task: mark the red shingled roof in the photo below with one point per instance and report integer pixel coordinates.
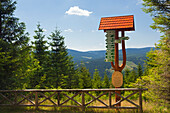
(117, 23)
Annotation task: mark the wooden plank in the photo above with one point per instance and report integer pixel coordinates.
(24, 98)
(73, 99)
(74, 90)
(17, 105)
(96, 98)
(70, 106)
(47, 98)
(27, 99)
(68, 98)
(6, 98)
(127, 100)
(118, 107)
(59, 106)
(3, 99)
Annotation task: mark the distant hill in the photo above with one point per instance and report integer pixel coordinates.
(85, 56)
(95, 59)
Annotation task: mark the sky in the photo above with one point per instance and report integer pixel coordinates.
(78, 21)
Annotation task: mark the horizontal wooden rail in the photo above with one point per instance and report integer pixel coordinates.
(60, 98)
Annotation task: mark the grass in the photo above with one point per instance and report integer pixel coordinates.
(147, 108)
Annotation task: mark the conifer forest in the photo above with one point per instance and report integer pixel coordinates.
(44, 62)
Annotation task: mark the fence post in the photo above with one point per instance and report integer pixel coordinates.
(110, 99)
(140, 101)
(36, 100)
(58, 98)
(83, 102)
(15, 99)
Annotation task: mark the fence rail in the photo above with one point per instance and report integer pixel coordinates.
(38, 97)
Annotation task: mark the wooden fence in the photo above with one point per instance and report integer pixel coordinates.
(60, 98)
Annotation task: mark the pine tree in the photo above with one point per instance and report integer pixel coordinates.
(13, 46)
(126, 76)
(84, 77)
(40, 53)
(159, 10)
(106, 82)
(96, 82)
(62, 66)
(133, 76)
(139, 71)
(40, 47)
(157, 77)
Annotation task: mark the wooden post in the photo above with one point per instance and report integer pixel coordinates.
(116, 52)
(83, 102)
(110, 99)
(58, 98)
(15, 99)
(117, 98)
(36, 100)
(123, 51)
(140, 101)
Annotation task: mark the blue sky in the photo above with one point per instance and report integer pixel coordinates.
(79, 21)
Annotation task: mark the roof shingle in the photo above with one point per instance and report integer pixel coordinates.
(117, 23)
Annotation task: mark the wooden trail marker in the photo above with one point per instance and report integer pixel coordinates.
(112, 26)
(117, 79)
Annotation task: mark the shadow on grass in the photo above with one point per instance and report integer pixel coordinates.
(70, 110)
(60, 110)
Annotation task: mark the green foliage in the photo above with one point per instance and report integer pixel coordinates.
(96, 82)
(156, 77)
(14, 47)
(130, 77)
(41, 54)
(139, 71)
(159, 9)
(84, 77)
(62, 71)
(40, 48)
(106, 83)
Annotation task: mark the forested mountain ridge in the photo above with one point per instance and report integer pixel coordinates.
(95, 59)
(79, 56)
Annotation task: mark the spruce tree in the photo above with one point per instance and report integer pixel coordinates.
(40, 47)
(96, 82)
(13, 45)
(40, 51)
(126, 76)
(157, 77)
(106, 83)
(139, 71)
(84, 77)
(62, 67)
(133, 75)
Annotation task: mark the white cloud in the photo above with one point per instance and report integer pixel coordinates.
(68, 30)
(77, 11)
